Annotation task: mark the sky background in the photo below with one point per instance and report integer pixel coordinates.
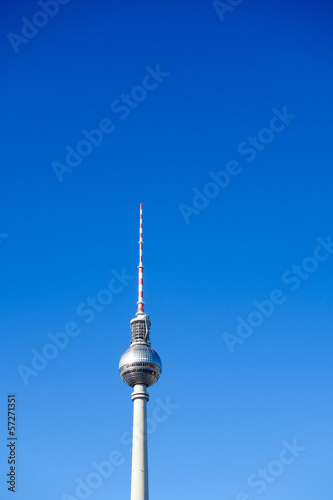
(232, 408)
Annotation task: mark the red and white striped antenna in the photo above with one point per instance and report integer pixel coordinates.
(140, 267)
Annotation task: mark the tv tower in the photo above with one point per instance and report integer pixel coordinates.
(140, 367)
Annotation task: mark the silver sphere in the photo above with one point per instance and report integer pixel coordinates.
(140, 364)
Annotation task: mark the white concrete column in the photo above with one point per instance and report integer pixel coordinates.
(139, 485)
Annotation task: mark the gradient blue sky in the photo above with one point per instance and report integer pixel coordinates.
(60, 241)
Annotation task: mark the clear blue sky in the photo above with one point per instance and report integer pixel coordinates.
(180, 94)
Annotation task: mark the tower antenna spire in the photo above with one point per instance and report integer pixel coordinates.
(140, 267)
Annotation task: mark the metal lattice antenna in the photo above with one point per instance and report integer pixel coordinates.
(140, 267)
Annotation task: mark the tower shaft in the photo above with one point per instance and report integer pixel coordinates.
(139, 483)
